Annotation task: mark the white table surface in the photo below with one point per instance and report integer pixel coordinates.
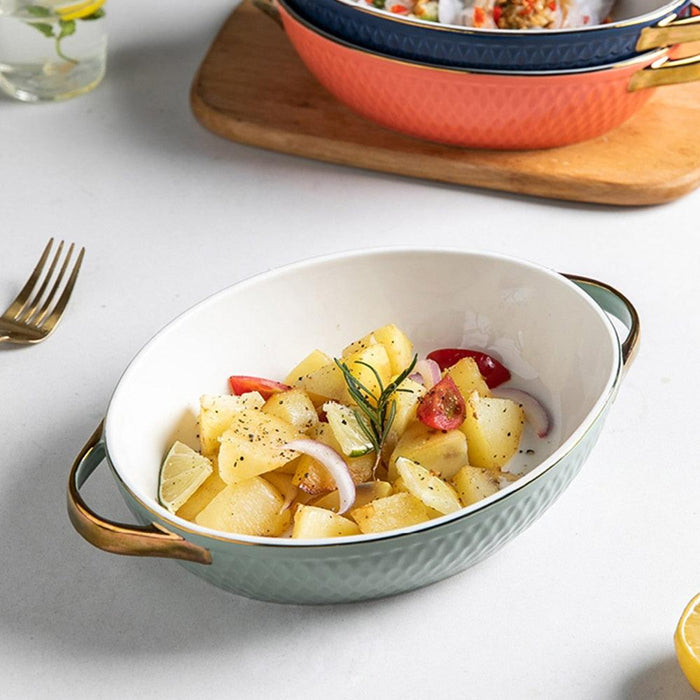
(582, 605)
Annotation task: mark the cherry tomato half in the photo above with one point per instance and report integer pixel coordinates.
(265, 387)
(443, 407)
(493, 372)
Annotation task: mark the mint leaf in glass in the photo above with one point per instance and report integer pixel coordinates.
(43, 27)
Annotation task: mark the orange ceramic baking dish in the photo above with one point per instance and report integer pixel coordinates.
(481, 109)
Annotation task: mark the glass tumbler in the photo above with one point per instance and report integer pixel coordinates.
(51, 49)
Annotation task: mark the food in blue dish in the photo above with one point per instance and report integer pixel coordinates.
(501, 14)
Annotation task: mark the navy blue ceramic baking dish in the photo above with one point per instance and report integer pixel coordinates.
(637, 25)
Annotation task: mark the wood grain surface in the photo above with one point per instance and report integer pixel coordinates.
(252, 88)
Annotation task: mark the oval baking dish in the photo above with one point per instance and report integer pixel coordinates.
(483, 109)
(442, 298)
(637, 26)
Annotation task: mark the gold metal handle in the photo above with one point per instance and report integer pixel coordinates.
(617, 304)
(669, 32)
(145, 541)
(666, 72)
(269, 8)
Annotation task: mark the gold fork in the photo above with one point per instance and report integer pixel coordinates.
(33, 315)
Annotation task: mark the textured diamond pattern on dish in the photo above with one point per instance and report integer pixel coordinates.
(474, 110)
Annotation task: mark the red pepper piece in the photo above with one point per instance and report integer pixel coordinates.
(241, 384)
(443, 407)
(493, 372)
(479, 17)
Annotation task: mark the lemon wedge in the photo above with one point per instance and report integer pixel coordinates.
(182, 473)
(687, 641)
(346, 430)
(79, 10)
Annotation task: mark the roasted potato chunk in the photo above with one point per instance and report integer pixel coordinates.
(465, 374)
(427, 487)
(250, 507)
(493, 428)
(254, 445)
(311, 522)
(442, 452)
(216, 414)
(390, 513)
(201, 497)
(293, 407)
(395, 342)
(311, 476)
(475, 483)
(366, 492)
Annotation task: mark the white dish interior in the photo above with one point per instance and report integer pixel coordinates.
(556, 341)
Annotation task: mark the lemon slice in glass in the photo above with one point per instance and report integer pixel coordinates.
(182, 473)
(346, 430)
(79, 10)
(687, 641)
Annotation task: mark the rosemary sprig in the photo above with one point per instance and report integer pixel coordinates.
(375, 414)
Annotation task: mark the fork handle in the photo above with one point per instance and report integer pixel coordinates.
(15, 338)
(119, 538)
(19, 332)
(18, 339)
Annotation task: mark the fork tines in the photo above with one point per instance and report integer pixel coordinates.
(34, 307)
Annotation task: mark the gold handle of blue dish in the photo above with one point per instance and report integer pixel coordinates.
(269, 8)
(669, 33)
(667, 71)
(119, 538)
(614, 302)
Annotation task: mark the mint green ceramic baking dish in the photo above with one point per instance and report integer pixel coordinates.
(552, 330)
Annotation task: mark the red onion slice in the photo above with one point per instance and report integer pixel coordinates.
(535, 412)
(429, 370)
(335, 464)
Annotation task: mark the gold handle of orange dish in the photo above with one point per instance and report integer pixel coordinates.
(668, 33)
(666, 71)
(616, 303)
(269, 8)
(119, 538)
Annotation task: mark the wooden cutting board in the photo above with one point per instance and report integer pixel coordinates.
(252, 88)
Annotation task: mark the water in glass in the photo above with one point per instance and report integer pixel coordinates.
(51, 49)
